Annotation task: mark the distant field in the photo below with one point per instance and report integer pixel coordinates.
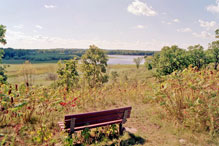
(42, 71)
(40, 76)
(22, 61)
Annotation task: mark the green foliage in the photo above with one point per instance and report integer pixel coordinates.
(94, 63)
(2, 34)
(68, 74)
(191, 97)
(3, 77)
(196, 56)
(148, 62)
(213, 53)
(149, 66)
(138, 61)
(217, 33)
(170, 59)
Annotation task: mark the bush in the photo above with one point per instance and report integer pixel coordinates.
(192, 98)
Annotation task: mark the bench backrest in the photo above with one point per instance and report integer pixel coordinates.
(97, 117)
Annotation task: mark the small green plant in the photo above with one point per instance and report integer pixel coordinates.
(138, 61)
(68, 74)
(94, 65)
(86, 135)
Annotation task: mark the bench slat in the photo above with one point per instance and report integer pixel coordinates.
(96, 125)
(96, 114)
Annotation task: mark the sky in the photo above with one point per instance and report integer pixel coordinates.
(109, 24)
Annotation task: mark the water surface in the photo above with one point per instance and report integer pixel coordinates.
(122, 59)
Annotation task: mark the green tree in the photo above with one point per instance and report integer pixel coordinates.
(196, 56)
(94, 64)
(170, 59)
(214, 53)
(217, 33)
(138, 61)
(3, 77)
(67, 73)
(2, 34)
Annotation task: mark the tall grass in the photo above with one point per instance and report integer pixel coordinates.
(29, 115)
(192, 98)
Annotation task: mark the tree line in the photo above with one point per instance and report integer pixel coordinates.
(54, 55)
(173, 58)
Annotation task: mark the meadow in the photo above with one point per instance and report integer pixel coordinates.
(33, 112)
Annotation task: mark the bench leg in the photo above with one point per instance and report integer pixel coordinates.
(72, 126)
(120, 129)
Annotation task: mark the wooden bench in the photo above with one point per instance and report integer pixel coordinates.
(78, 122)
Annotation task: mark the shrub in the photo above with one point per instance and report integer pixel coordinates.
(68, 74)
(94, 65)
(192, 98)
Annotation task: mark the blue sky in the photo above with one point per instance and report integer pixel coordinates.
(109, 24)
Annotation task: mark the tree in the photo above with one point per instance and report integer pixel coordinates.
(214, 53)
(94, 63)
(196, 56)
(68, 74)
(217, 33)
(3, 77)
(2, 34)
(169, 60)
(138, 61)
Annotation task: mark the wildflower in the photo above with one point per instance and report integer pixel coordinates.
(63, 103)
(74, 99)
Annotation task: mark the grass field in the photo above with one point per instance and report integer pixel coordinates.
(149, 123)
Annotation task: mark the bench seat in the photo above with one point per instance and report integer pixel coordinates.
(78, 122)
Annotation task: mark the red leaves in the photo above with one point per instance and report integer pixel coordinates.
(71, 103)
(74, 99)
(63, 103)
(28, 107)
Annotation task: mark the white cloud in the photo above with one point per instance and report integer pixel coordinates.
(213, 8)
(184, 30)
(139, 8)
(49, 6)
(38, 26)
(207, 24)
(164, 22)
(203, 34)
(171, 21)
(19, 26)
(20, 39)
(140, 26)
(176, 20)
